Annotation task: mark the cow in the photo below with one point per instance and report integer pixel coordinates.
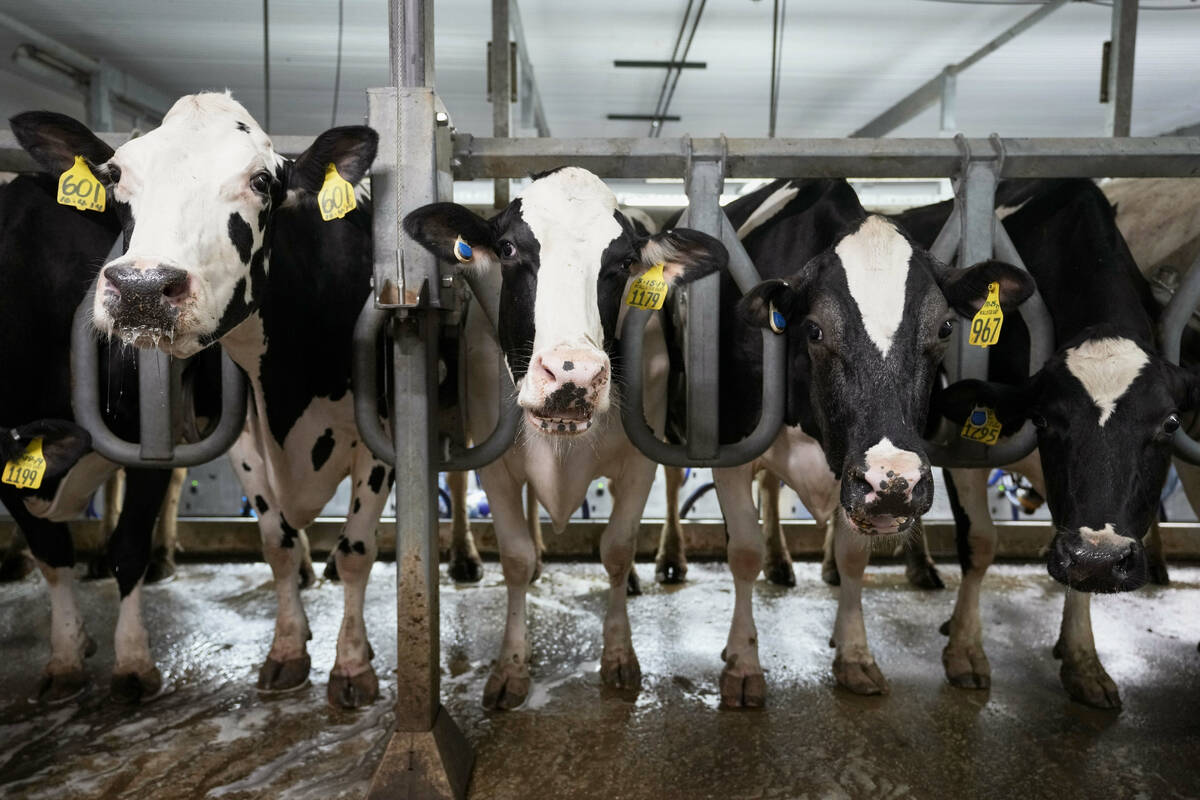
(1105, 406)
(867, 314)
(224, 242)
(560, 259)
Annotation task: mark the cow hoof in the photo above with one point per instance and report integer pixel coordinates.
(670, 570)
(743, 687)
(633, 584)
(967, 667)
(284, 676)
(352, 691)
(924, 576)
(159, 570)
(61, 687)
(781, 573)
(507, 689)
(829, 573)
(131, 688)
(465, 567)
(620, 671)
(1156, 568)
(16, 567)
(1087, 682)
(859, 677)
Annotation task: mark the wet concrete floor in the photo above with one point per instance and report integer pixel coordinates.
(210, 735)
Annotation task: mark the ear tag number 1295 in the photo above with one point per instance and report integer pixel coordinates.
(336, 197)
(26, 470)
(78, 187)
(649, 291)
(985, 326)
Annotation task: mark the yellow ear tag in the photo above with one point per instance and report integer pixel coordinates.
(985, 325)
(981, 426)
(80, 188)
(26, 470)
(649, 291)
(336, 197)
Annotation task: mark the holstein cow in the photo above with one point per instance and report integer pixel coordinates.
(560, 258)
(49, 254)
(225, 243)
(867, 313)
(1105, 406)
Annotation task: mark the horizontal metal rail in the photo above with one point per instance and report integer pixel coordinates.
(1171, 326)
(158, 397)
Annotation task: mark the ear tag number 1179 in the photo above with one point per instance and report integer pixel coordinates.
(649, 291)
(985, 325)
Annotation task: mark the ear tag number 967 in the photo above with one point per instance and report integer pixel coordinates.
(981, 426)
(649, 291)
(26, 470)
(78, 187)
(985, 326)
(336, 197)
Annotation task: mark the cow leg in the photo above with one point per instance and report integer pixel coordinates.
(465, 564)
(97, 567)
(633, 584)
(166, 531)
(829, 569)
(1081, 673)
(670, 563)
(742, 682)
(963, 658)
(778, 565)
(17, 561)
(619, 666)
(1156, 561)
(854, 667)
(534, 521)
(918, 565)
(352, 681)
(508, 684)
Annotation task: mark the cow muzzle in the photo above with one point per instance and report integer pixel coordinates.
(142, 303)
(564, 389)
(888, 491)
(1097, 561)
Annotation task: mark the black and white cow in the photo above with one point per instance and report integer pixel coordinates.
(561, 258)
(224, 243)
(867, 313)
(1105, 406)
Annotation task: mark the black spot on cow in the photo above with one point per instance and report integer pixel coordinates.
(343, 544)
(357, 505)
(245, 466)
(289, 533)
(567, 398)
(376, 479)
(261, 504)
(568, 366)
(322, 449)
(241, 236)
(243, 127)
(354, 443)
(360, 548)
(391, 478)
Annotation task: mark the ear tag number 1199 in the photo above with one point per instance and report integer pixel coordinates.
(336, 197)
(26, 470)
(78, 187)
(985, 325)
(649, 291)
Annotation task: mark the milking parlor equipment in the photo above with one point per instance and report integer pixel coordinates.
(419, 157)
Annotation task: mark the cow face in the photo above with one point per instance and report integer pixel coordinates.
(566, 256)
(195, 197)
(875, 312)
(1105, 409)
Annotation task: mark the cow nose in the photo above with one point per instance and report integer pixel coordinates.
(147, 288)
(891, 472)
(558, 369)
(1097, 560)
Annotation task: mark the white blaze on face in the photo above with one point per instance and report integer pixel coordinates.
(875, 259)
(885, 463)
(1106, 538)
(769, 208)
(1106, 368)
(570, 212)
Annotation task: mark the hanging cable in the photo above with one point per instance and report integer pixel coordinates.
(266, 68)
(776, 62)
(337, 72)
(656, 129)
(662, 92)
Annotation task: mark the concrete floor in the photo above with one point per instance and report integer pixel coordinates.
(211, 735)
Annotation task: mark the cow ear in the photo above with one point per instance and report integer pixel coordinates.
(1010, 403)
(686, 255)
(63, 443)
(789, 298)
(967, 289)
(1184, 386)
(454, 234)
(351, 149)
(55, 139)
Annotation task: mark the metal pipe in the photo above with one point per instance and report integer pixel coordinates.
(1120, 72)
(1171, 324)
(531, 95)
(701, 353)
(499, 88)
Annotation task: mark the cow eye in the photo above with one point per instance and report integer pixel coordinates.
(1171, 424)
(813, 330)
(114, 174)
(261, 182)
(508, 249)
(1038, 420)
(946, 329)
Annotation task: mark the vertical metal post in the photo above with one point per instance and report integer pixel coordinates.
(1120, 71)
(427, 757)
(705, 179)
(99, 106)
(949, 124)
(977, 199)
(158, 394)
(499, 88)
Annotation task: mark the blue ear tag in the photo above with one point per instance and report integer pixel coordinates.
(978, 416)
(776, 320)
(462, 251)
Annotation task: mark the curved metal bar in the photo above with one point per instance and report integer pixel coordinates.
(1171, 325)
(85, 401)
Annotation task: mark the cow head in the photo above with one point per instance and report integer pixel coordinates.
(63, 443)
(566, 256)
(875, 312)
(195, 196)
(1105, 408)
